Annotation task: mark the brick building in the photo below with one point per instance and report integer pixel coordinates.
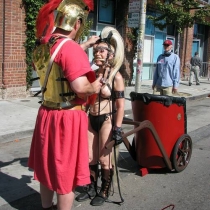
(192, 40)
(12, 50)
(12, 38)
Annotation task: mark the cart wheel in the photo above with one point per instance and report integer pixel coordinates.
(182, 153)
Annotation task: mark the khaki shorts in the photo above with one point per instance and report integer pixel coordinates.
(163, 91)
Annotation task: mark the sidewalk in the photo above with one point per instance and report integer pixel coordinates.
(18, 115)
(16, 127)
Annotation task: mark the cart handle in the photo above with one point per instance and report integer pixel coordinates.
(140, 126)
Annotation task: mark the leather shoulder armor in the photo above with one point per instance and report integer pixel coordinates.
(58, 93)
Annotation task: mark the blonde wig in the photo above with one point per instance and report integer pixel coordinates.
(112, 37)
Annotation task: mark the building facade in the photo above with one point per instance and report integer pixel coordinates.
(195, 39)
(12, 50)
(107, 12)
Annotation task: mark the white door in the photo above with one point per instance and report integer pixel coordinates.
(147, 58)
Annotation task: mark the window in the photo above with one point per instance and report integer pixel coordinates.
(198, 30)
(106, 11)
(149, 27)
(171, 30)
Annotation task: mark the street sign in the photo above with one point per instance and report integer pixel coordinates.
(133, 20)
(134, 6)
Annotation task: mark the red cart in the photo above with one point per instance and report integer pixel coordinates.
(160, 132)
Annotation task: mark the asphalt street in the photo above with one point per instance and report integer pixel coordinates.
(186, 190)
(162, 189)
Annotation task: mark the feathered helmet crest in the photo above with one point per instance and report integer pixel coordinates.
(62, 14)
(113, 39)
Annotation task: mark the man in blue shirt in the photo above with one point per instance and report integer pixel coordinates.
(167, 72)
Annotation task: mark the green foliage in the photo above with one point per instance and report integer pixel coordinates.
(181, 13)
(31, 10)
(133, 37)
(86, 31)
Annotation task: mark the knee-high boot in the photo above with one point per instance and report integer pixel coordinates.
(102, 196)
(91, 189)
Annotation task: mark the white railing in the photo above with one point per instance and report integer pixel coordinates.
(204, 72)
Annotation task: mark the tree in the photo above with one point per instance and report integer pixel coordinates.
(182, 14)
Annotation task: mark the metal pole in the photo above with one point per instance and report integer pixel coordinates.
(140, 45)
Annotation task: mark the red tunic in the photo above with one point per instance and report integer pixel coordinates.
(59, 149)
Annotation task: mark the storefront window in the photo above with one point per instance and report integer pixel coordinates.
(106, 10)
(149, 27)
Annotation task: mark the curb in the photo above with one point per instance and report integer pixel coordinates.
(16, 135)
(28, 133)
(205, 95)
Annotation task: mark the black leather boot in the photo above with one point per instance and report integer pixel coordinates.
(102, 196)
(91, 189)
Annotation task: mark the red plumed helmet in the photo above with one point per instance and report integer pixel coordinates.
(45, 18)
(89, 4)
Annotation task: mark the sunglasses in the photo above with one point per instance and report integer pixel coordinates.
(166, 45)
(100, 49)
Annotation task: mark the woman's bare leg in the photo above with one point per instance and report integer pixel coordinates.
(65, 202)
(104, 138)
(46, 196)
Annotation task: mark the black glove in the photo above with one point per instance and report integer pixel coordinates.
(117, 135)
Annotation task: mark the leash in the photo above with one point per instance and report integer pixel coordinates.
(115, 157)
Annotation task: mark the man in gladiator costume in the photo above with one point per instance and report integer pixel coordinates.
(105, 115)
(59, 148)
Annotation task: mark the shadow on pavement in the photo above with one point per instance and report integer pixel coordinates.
(11, 188)
(128, 165)
(31, 202)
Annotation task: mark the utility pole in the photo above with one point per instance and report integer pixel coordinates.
(140, 45)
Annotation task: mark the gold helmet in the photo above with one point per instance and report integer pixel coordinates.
(68, 12)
